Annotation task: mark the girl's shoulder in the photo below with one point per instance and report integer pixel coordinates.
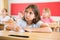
(7, 16)
(40, 22)
(22, 21)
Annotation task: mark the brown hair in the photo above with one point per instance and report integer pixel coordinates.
(36, 13)
(5, 10)
(47, 10)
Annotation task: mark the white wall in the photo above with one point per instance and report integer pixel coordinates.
(1, 5)
(32, 1)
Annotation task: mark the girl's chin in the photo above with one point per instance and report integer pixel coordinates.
(27, 20)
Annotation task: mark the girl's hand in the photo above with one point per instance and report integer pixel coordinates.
(10, 27)
(17, 29)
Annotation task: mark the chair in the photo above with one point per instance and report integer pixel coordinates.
(1, 26)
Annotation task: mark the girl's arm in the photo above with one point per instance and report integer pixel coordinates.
(44, 28)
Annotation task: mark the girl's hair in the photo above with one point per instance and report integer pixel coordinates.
(21, 12)
(5, 10)
(36, 13)
(47, 10)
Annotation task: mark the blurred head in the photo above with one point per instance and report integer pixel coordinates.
(46, 13)
(4, 11)
(20, 14)
(32, 14)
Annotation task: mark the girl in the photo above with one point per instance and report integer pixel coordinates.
(32, 22)
(46, 16)
(4, 16)
(20, 16)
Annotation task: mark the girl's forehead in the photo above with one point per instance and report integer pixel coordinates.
(29, 9)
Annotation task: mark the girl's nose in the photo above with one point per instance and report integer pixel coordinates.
(27, 14)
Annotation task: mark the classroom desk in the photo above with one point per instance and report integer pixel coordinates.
(58, 28)
(54, 26)
(32, 36)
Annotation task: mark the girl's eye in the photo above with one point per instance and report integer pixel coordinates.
(30, 12)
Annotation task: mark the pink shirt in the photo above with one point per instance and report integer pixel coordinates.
(49, 20)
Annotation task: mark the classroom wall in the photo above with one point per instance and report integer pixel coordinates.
(53, 6)
(1, 5)
(11, 2)
(28, 1)
(5, 4)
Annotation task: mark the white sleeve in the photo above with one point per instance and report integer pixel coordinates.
(6, 18)
(21, 23)
(39, 24)
(0, 18)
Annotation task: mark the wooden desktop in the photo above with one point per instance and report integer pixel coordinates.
(4, 35)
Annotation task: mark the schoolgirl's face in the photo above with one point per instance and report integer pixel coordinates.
(3, 12)
(45, 14)
(20, 14)
(29, 14)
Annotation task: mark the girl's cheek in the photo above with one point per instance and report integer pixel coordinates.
(32, 17)
(45, 14)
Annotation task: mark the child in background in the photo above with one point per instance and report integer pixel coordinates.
(20, 16)
(4, 16)
(46, 16)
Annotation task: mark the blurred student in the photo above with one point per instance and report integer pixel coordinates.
(4, 15)
(46, 18)
(19, 16)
